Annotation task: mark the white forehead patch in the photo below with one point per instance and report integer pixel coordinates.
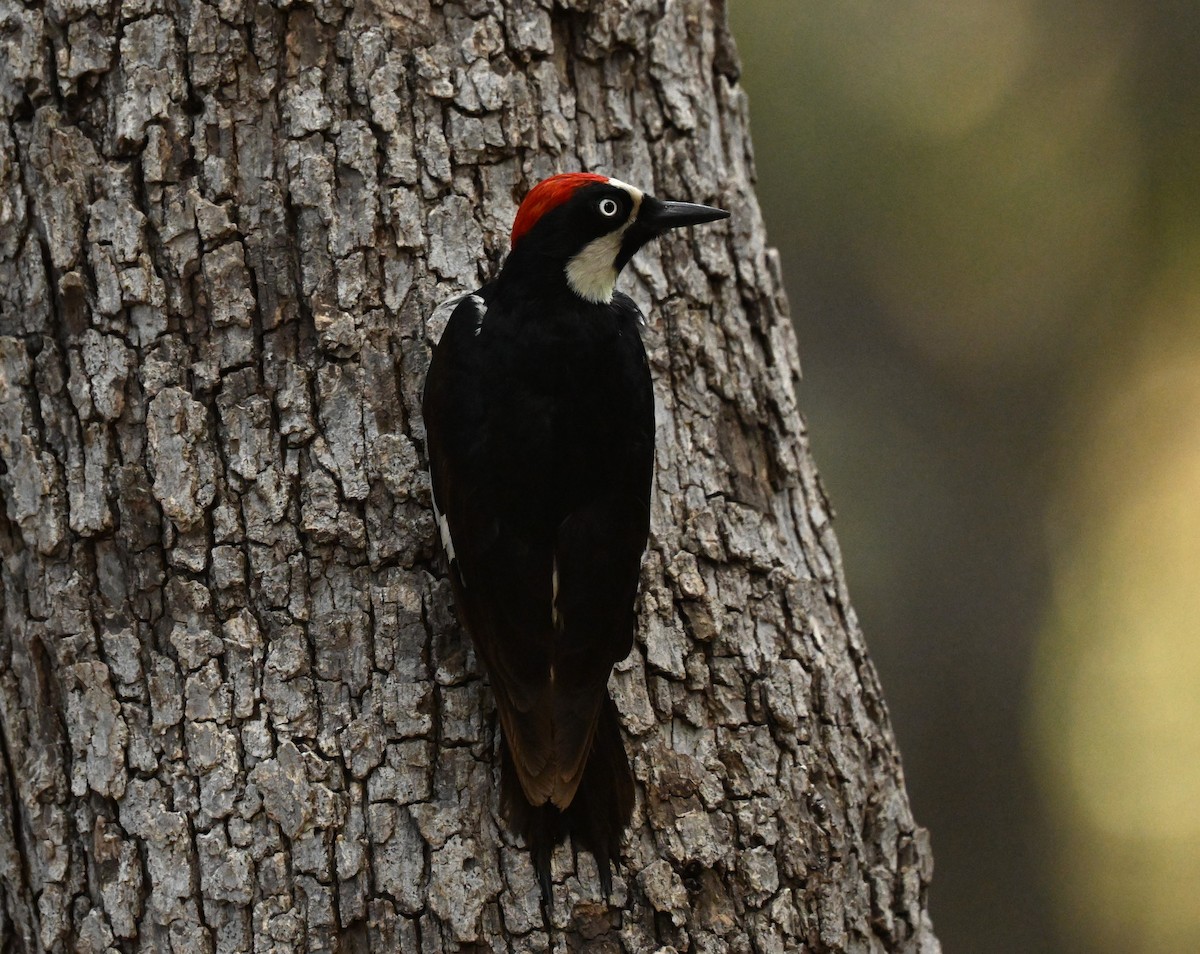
(634, 191)
(592, 271)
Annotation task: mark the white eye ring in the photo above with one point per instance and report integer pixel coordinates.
(608, 207)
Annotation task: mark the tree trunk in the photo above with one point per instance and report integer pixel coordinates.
(236, 711)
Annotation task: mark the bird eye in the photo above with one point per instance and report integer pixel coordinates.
(608, 208)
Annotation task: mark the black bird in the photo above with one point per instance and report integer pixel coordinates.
(539, 416)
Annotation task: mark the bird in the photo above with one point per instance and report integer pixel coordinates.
(539, 417)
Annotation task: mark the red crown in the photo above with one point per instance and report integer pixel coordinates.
(546, 195)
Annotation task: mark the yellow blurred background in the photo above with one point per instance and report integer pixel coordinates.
(989, 212)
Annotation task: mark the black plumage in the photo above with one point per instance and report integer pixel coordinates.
(539, 413)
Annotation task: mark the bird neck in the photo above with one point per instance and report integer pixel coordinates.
(533, 274)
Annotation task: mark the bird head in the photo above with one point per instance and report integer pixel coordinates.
(589, 226)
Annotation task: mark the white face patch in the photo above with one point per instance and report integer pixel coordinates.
(592, 272)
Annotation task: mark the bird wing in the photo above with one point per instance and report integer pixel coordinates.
(549, 606)
(597, 563)
(501, 579)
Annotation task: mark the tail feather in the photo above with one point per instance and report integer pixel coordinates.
(595, 819)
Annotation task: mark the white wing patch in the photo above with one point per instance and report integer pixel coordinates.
(444, 533)
(442, 312)
(555, 616)
(447, 540)
(480, 313)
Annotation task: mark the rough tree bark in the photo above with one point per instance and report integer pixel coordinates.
(236, 712)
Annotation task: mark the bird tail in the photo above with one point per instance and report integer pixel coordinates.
(595, 819)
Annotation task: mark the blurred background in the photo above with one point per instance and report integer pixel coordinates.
(989, 215)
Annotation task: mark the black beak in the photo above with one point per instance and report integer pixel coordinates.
(657, 216)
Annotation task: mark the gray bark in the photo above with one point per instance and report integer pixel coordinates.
(236, 712)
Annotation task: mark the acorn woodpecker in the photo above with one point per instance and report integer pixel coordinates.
(539, 415)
